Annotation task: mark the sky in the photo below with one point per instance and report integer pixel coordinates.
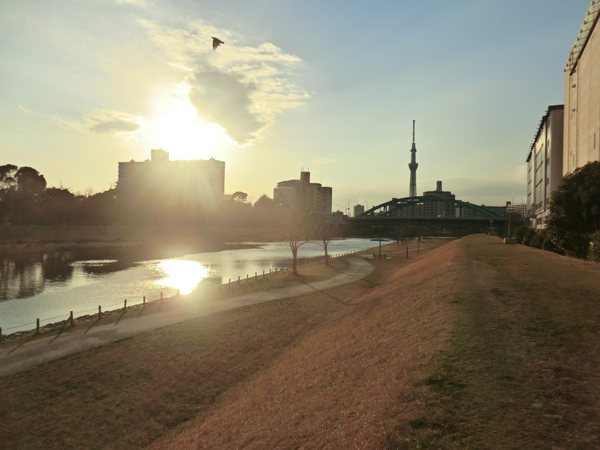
(327, 86)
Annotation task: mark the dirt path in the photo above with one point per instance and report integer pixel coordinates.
(14, 359)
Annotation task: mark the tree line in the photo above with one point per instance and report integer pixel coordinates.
(25, 199)
(573, 226)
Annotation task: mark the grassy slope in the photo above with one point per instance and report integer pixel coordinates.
(522, 368)
(476, 345)
(348, 383)
(127, 394)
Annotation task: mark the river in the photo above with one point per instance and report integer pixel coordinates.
(50, 285)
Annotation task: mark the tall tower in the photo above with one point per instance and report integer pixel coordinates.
(413, 167)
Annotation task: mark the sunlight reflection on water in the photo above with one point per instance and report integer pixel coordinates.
(50, 285)
(180, 274)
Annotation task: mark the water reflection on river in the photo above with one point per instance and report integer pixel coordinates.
(49, 285)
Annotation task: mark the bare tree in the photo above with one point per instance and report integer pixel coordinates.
(298, 233)
(325, 232)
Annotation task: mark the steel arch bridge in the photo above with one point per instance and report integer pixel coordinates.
(425, 215)
(417, 206)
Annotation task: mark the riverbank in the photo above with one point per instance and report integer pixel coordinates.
(312, 272)
(474, 344)
(229, 347)
(33, 239)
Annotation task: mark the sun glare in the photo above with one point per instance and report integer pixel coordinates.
(182, 275)
(182, 135)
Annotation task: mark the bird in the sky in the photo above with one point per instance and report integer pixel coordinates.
(216, 42)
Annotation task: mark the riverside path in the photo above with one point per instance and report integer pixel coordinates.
(14, 359)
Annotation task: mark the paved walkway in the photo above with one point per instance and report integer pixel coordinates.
(14, 359)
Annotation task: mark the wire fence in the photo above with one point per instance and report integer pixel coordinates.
(100, 310)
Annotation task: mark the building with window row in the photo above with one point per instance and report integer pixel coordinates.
(302, 195)
(545, 165)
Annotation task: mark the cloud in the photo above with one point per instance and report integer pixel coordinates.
(104, 122)
(23, 109)
(323, 161)
(226, 100)
(133, 2)
(491, 190)
(240, 88)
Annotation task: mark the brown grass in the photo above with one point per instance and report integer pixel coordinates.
(347, 384)
(127, 394)
(475, 345)
(522, 369)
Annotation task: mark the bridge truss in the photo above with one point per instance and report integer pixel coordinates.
(420, 206)
(427, 215)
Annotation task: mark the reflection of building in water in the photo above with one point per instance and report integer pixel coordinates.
(303, 195)
(187, 184)
(439, 209)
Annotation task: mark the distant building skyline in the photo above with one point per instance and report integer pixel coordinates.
(439, 209)
(302, 195)
(358, 210)
(197, 184)
(87, 84)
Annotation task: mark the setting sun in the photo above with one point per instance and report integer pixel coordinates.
(181, 131)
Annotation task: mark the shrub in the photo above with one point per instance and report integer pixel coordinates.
(537, 239)
(529, 234)
(575, 211)
(520, 233)
(594, 252)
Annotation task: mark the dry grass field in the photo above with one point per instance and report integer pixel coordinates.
(522, 368)
(472, 345)
(127, 394)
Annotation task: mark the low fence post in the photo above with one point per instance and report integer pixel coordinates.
(125, 305)
(37, 326)
(99, 311)
(161, 296)
(71, 318)
(144, 301)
